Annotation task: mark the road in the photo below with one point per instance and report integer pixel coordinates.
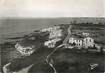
(68, 36)
(64, 43)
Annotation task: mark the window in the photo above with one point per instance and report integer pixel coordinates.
(90, 40)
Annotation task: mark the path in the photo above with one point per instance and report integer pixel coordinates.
(64, 43)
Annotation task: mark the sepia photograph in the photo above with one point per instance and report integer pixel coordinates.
(52, 36)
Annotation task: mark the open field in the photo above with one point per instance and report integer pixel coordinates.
(63, 59)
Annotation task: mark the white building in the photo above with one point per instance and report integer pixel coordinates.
(71, 40)
(79, 42)
(51, 43)
(47, 29)
(88, 42)
(85, 34)
(55, 33)
(26, 51)
(50, 28)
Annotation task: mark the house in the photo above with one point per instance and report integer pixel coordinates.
(88, 42)
(26, 51)
(55, 33)
(77, 42)
(51, 43)
(50, 29)
(85, 34)
(81, 42)
(47, 29)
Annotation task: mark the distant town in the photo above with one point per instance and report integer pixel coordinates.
(56, 37)
(85, 42)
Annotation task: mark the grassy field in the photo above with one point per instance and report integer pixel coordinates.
(65, 60)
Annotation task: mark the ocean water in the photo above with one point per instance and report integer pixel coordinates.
(14, 27)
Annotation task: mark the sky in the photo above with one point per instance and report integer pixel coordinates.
(52, 8)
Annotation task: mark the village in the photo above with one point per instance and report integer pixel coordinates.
(86, 42)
